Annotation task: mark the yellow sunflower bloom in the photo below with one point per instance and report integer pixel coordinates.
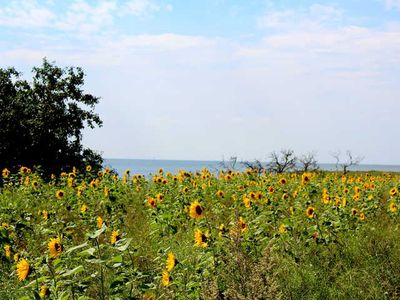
(55, 247)
(196, 211)
(115, 237)
(166, 278)
(60, 194)
(200, 238)
(44, 291)
(171, 262)
(23, 269)
(310, 212)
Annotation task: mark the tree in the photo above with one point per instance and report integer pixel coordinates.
(256, 166)
(41, 121)
(351, 160)
(308, 162)
(282, 162)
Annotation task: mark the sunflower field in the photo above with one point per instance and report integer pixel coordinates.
(231, 235)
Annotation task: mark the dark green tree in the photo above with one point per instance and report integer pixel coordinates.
(41, 121)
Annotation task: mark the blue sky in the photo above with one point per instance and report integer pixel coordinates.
(213, 78)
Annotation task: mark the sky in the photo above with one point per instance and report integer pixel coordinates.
(211, 79)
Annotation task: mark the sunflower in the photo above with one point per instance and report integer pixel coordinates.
(282, 228)
(354, 211)
(282, 180)
(45, 214)
(35, 184)
(185, 189)
(7, 250)
(151, 202)
(393, 192)
(106, 191)
(23, 269)
(60, 194)
(88, 168)
(44, 291)
(83, 208)
(160, 197)
(305, 178)
(271, 189)
(345, 190)
(242, 224)
(55, 247)
(171, 262)
(361, 216)
(246, 201)
(200, 238)
(221, 230)
(166, 278)
(393, 207)
(115, 237)
(5, 173)
(99, 222)
(196, 211)
(24, 170)
(220, 194)
(310, 212)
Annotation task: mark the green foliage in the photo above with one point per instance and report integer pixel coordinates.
(41, 121)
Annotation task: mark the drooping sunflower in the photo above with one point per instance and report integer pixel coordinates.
(60, 194)
(55, 247)
(392, 207)
(200, 238)
(310, 212)
(171, 262)
(246, 201)
(23, 269)
(44, 291)
(115, 237)
(166, 278)
(196, 211)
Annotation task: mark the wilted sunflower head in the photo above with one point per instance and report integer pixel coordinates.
(166, 278)
(44, 291)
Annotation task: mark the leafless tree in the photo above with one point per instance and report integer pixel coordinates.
(283, 161)
(230, 164)
(255, 165)
(350, 160)
(308, 162)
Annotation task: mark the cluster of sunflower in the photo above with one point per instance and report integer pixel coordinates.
(88, 220)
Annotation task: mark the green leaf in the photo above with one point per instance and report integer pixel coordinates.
(88, 252)
(74, 271)
(123, 244)
(97, 233)
(76, 248)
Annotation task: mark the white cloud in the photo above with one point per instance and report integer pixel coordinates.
(315, 15)
(392, 4)
(139, 8)
(25, 14)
